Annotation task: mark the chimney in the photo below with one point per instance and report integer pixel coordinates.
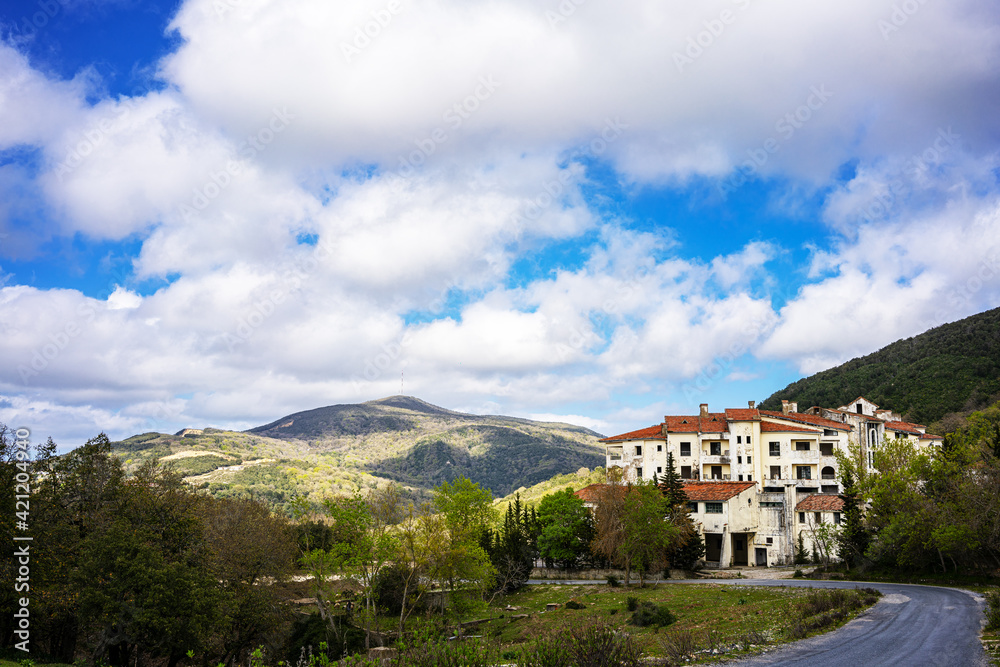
(704, 409)
(752, 404)
(784, 407)
(793, 406)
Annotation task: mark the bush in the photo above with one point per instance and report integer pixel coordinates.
(679, 645)
(649, 614)
(631, 603)
(993, 609)
(593, 645)
(573, 604)
(798, 574)
(613, 581)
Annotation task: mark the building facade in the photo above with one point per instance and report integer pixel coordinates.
(776, 460)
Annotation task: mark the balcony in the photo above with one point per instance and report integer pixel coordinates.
(708, 460)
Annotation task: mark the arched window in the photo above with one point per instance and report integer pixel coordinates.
(828, 472)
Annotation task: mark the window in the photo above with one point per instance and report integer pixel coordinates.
(802, 446)
(774, 448)
(802, 517)
(836, 518)
(829, 432)
(685, 472)
(739, 459)
(659, 448)
(748, 460)
(638, 473)
(713, 508)
(748, 439)
(770, 540)
(775, 472)
(716, 472)
(685, 449)
(826, 448)
(693, 507)
(739, 544)
(741, 478)
(819, 517)
(739, 439)
(659, 469)
(772, 504)
(749, 478)
(860, 409)
(804, 472)
(638, 450)
(715, 449)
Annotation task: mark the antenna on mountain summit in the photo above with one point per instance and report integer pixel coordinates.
(400, 383)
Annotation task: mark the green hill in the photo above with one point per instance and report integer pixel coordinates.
(337, 449)
(938, 376)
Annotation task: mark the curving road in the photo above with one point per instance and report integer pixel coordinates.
(911, 625)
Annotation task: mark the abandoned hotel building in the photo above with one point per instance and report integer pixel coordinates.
(757, 479)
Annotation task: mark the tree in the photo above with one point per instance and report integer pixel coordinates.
(459, 563)
(566, 529)
(631, 529)
(689, 545)
(511, 547)
(363, 543)
(853, 539)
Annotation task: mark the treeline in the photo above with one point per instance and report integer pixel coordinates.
(950, 369)
(124, 569)
(132, 569)
(923, 512)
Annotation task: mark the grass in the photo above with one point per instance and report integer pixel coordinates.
(731, 620)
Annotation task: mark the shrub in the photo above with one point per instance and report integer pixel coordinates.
(798, 574)
(599, 645)
(573, 604)
(993, 609)
(649, 614)
(679, 645)
(613, 581)
(631, 603)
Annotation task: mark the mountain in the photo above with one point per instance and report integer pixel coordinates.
(938, 376)
(339, 448)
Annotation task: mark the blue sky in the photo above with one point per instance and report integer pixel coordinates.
(218, 212)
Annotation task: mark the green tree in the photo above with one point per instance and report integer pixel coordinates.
(566, 529)
(460, 565)
(688, 544)
(853, 539)
(631, 528)
(511, 547)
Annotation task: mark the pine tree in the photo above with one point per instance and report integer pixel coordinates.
(853, 539)
(801, 557)
(672, 485)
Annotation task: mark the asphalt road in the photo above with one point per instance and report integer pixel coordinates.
(910, 625)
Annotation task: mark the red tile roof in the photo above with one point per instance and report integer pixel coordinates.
(743, 414)
(821, 502)
(715, 422)
(651, 433)
(905, 427)
(812, 420)
(589, 494)
(715, 491)
(929, 436)
(772, 427)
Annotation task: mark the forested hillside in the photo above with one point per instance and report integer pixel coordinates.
(948, 371)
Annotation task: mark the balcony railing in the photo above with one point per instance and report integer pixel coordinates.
(827, 475)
